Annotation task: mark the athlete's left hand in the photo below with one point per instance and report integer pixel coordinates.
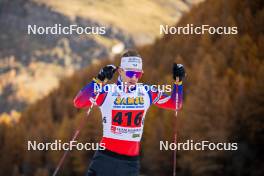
(178, 72)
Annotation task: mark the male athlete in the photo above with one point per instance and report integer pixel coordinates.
(123, 106)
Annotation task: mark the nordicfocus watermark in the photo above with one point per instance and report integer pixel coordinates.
(59, 29)
(203, 145)
(202, 29)
(59, 145)
(139, 87)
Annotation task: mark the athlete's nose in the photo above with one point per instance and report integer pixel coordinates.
(134, 78)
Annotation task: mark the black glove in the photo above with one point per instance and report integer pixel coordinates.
(106, 73)
(178, 71)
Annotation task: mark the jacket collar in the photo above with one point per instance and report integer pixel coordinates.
(121, 85)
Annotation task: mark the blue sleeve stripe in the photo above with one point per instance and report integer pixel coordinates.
(150, 98)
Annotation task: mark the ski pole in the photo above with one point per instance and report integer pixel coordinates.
(175, 131)
(76, 134)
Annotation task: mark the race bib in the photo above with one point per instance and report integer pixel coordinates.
(127, 118)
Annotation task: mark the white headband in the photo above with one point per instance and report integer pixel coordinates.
(132, 62)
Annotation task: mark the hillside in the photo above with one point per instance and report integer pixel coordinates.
(223, 102)
(127, 15)
(28, 62)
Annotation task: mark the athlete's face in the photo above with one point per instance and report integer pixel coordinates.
(130, 76)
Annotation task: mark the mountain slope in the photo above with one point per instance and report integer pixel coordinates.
(128, 15)
(28, 62)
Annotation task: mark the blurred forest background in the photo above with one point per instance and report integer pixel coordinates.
(224, 94)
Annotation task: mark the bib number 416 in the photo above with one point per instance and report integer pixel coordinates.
(127, 118)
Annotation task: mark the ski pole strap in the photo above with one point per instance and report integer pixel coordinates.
(178, 82)
(96, 80)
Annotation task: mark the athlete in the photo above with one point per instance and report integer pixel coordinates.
(123, 106)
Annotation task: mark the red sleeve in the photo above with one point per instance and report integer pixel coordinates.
(165, 101)
(86, 95)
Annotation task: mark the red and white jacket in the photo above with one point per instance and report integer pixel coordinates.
(123, 112)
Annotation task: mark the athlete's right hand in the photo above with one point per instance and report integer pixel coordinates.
(106, 73)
